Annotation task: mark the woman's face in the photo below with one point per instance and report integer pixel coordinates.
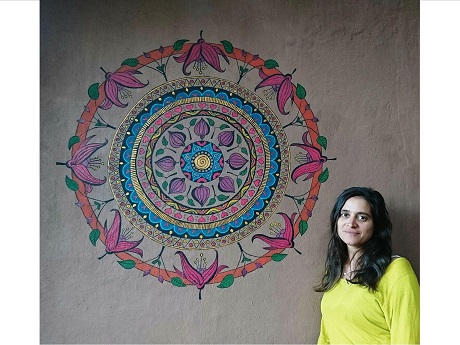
(355, 225)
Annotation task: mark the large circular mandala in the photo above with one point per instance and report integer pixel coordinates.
(197, 163)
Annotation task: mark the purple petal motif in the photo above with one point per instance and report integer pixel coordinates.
(236, 161)
(176, 139)
(177, 185)
(166, 163)
(201, 194)
(201, 129)
(226, 184)
(226, 138)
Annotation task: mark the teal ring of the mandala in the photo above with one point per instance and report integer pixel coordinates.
(143, 217)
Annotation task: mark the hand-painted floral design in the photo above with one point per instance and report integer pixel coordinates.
(81, 162)
(283, 236)
(198, 163)
(281, 85)
(311, 161)
(202, 53)
(117, 242)
(116, 83)
(201, 275)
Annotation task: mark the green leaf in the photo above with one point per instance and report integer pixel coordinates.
(227, 281)
(245, 259)
(99, 124)
(244, 150)
(93, 91)
(176, 281)
(159, 152)
(179, 197)
(212, 201)
(238, 139)
(239, 182)
(242, 173)
(192, 123)
(128, 264)
(190, 202)
(324, 176)
(98, 205)
(71, 183)
(300, 91)
(132, 62)
(179, 126)
(165, 185)
(303, 226)
(223, 126)
(178, 45)
(161, 68)
(159, 174)
(270, 63)
(211, 122)
(164, 142)
(227, 46)
(72, 141)
(222, 197)
(94, 236)
(278, 257)
(322, 141)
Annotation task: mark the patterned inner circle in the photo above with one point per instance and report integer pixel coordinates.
(201, 162)
(197, 161)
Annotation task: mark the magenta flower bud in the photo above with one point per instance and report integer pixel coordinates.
(201, 194)
(177, 186)
(166, 163)
(176, 139)
(226, 184)
(201, 129)
(226, 138)
(236, 161)
(147, 55)
(161, 50)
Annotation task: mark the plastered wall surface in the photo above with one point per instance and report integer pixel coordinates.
(359, 63)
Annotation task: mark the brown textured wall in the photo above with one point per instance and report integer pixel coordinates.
(359, 62)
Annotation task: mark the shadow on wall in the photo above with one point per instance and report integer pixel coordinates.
(406, 236)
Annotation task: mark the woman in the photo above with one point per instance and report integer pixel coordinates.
(370, 296)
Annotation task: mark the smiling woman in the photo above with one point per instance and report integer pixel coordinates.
(371, 297)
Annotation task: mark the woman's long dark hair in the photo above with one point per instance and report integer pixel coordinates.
(375, 253)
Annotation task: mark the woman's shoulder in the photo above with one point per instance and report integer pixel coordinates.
(399, 266)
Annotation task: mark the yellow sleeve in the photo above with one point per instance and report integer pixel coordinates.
(403, 310)
(323, 339)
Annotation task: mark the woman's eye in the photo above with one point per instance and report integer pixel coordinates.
(362, 218)
(344, 215)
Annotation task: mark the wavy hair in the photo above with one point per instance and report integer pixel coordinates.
(375, 253)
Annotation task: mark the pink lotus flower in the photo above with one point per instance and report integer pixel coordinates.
(283, 236)
(116, 83)
(200, 276)
(81, 163)
(280, 85)
(311, 161)
(115, 242)
(201, 53)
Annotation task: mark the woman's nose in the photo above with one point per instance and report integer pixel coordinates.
(352, 222)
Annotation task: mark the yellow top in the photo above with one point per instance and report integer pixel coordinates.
(353, 314)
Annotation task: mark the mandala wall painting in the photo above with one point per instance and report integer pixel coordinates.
(198, 166)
